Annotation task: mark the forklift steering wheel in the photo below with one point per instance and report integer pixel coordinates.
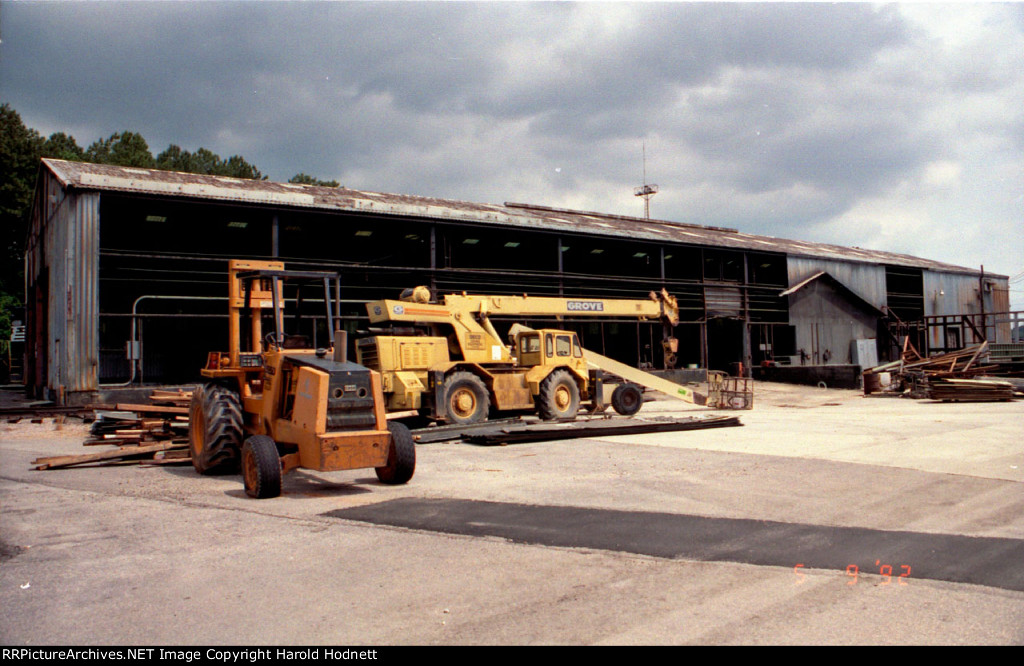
(270, 340)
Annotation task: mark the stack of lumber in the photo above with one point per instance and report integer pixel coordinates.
(153, 433)
(962, 364)
(969, 390)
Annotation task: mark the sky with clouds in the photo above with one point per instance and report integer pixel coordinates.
(895, 127)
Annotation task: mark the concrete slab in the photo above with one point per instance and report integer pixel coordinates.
(133, 555)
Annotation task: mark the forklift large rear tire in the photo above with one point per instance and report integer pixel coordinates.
(401, 457)
(627, 399)
(559, 396)
(215, 429)
(261, 467)
(466, 399)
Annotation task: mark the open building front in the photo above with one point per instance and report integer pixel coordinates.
(126, 276)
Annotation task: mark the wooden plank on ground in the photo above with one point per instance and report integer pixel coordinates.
(155, 409)
(55, 462)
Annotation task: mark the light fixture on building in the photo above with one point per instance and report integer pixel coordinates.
(237, 225)
(471, 241)
(512, 244)
(156, 218)
(364, 234)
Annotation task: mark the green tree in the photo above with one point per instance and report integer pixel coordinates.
(174, 159)
(20, 149)
(63, 147)
(305, 179)
(206, 161)
(123, 149)
(237, 167)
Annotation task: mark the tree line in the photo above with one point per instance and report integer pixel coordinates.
(22, 147)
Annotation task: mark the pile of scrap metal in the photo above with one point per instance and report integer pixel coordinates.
(954, 376)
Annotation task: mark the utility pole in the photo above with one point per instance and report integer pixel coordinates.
(646, 191)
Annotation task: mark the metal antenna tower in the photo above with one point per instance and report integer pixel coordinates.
(646, 191)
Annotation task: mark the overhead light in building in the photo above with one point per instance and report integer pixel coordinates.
(412, 237)
(597, 251)
(512, 244)
(364, 233)
(639, 255)
(667, 257)
(293, 228)
(237, 225)
(156, 218)
(565, 248)
(471, 241)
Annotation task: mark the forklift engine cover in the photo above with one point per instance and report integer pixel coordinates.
(349, 392)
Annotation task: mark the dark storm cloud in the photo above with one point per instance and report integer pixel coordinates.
(285, 78)
(782, 118)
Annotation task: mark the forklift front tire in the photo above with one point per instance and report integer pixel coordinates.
(215, 429)
(261, 467)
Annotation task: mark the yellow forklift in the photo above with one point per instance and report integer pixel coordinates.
(285, 403)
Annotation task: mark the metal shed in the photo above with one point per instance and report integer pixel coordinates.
(125, 270)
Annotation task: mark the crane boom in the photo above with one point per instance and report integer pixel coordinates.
(469, 314)
(658, 306)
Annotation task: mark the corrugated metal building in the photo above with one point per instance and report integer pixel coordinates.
(126, 273)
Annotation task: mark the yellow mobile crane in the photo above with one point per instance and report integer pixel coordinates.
(450, 364)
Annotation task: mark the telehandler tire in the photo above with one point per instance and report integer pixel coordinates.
(627, 399)
(466, 398)
(401, 457)
(559, 396)
(261, 467)
(215, 429)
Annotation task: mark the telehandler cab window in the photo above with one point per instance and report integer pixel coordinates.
(529, 344)
(529, 350)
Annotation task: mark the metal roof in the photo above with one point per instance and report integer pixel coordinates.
(104, 177)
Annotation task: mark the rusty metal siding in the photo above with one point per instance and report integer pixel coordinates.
(953, 294)
(948, 294)
(50, 198)
(866, 280)
(70, 252)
